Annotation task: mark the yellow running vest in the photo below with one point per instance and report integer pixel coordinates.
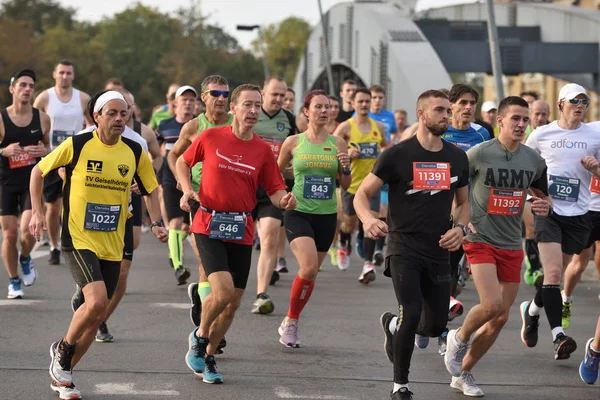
(369, 145)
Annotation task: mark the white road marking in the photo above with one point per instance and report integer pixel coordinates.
(181, 306)
(127, 389)
(285, 393)
(19, 302)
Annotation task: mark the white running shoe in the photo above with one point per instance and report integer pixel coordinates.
(455, 353)
(343, 259)
(466, 384)
(367, 275)
(65, 392)
(29, 272)
(14, 289)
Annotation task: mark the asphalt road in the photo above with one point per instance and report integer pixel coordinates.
(342, 357)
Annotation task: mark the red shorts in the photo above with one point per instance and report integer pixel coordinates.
(507, 262)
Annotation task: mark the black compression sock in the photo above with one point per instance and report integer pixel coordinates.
(533, 254)
(361, 233)
(381, 239)
(344, 239)
(553, 304)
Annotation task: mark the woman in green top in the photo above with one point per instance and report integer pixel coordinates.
(318, 158)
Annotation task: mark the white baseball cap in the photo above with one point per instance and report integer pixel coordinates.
(570, 91)
(184, 89)
(488, 106)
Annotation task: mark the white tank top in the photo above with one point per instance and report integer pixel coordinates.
(66, 119)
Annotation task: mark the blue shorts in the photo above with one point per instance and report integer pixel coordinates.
(384, 195)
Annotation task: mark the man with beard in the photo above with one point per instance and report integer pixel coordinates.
(425, 175)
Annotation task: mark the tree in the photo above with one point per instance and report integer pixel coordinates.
(41, 14)
(136, 40)
(90, 59)
(18, 50)
(285, 43)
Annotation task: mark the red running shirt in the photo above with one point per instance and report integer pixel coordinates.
(232, 170)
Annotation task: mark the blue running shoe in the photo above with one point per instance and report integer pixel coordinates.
(14, 289)
(29, 272)
(588, 370)
(210, 372)
(195, 357)
(359, 247)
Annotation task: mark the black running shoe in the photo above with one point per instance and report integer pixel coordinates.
(385, 319)
(274, 278)
(529, 331)
(54, 257)
(196, 304)
(182, 274)
(402, 394)
(221, 346)
(563, 346)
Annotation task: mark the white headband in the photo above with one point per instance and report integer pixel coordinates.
(106, 97)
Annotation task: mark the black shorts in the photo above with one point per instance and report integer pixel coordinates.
(263, 210)
(194, 207)
(217, 256)
(289, 184)
(86, 268)
(572, 233)
(348, 203)
(14, 200)
(595, 233)
(171, 198)
(128, 241)
(320, 227)
(53, 186)
(136, 205)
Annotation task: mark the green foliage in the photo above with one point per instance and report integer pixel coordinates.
(285, 43)
(146, 49)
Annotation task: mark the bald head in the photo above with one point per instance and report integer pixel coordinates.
(539, 112)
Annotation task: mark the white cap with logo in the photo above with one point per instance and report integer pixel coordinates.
(570, 91)
(184, 89)
(488, 106)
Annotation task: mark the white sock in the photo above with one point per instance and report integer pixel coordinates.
(398, 386)
(566, 299)
(556, 331)
(534, 310)
(393, 325)
(593, 349)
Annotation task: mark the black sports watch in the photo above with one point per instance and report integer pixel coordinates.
(465, 229)
(156, 223)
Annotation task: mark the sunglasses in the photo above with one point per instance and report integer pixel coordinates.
(585, 102)
(217, 93)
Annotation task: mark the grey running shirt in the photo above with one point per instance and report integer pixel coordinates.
(499, 181)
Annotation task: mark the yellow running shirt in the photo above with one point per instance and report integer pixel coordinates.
(369, 145)
(96, 191)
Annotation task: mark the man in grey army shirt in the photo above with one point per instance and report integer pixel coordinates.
(501, 171)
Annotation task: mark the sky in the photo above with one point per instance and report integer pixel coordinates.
(226, 13)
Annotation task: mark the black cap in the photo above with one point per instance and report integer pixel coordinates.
(21, 73)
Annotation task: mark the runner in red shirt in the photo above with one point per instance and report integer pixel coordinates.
(234, 162)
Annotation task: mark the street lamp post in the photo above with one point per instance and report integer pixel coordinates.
(261, 44)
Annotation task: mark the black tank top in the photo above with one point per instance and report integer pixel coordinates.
(16, 170)
(137, 127)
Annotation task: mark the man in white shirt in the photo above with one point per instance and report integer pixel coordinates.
(571, 150)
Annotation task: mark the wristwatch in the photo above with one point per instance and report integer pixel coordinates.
(347, 171)
(465, 229)
(156, 223)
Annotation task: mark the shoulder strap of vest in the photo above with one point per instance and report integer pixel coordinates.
(292, 121)
(137, 127)
(78, 142)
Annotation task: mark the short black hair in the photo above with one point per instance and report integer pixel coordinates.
(66, 62)
(361, 90)
(511, 101)
(291, 91)
(461, 89)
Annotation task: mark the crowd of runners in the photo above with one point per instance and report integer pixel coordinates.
(232, 168)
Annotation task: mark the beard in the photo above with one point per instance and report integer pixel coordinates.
(436, 129)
